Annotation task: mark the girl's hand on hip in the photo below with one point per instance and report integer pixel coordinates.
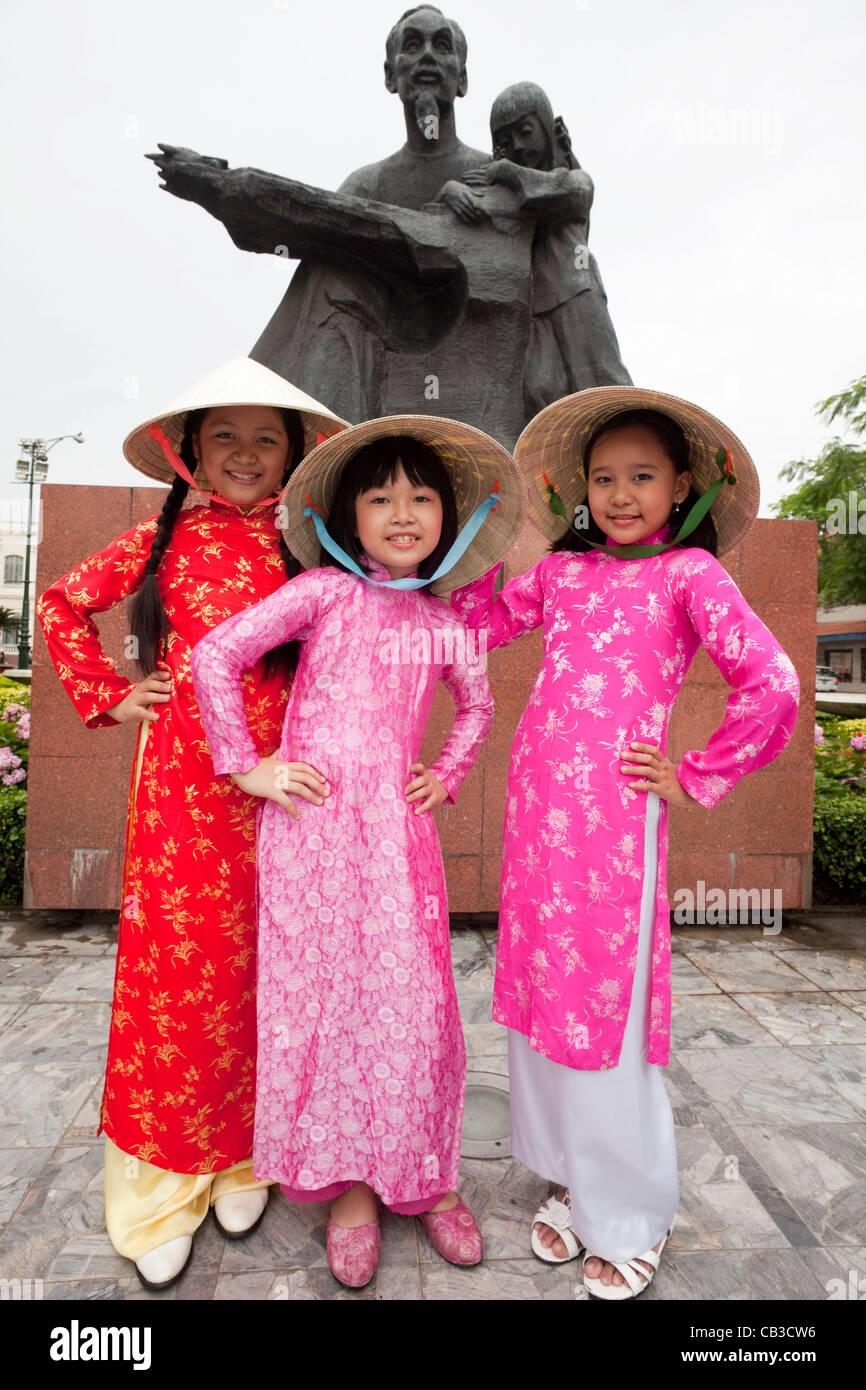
(425, 788)
(657, 773)
(279, 781)
(154, 689)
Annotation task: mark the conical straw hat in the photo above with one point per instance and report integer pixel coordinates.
(240, 382)
(474, 460)
(553, 444)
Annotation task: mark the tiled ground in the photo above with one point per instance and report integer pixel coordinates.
(766, 1080)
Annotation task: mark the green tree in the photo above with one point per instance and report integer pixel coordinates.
(831, 490)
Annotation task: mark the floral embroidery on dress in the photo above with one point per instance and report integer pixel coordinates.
(361, 1060)
(619, 638)
(180, 1076)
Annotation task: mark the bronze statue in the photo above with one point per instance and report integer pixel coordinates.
(415, 289)
(425, 66)
(572, 344)
(397, 305)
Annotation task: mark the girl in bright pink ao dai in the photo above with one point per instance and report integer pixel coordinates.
(583, 964)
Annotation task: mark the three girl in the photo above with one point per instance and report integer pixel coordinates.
(179, 1091)
(621, 480)
(361, 1059)
(358, 1094)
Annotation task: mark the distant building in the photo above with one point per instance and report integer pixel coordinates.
(13, 550)
(842, 644)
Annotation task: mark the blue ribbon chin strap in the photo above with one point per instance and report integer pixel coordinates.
(461, 545)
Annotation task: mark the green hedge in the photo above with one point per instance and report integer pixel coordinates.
(840, 844)
(13, 817)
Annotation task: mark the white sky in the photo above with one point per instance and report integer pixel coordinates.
(725, 141)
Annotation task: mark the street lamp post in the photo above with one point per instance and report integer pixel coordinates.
(30, 471)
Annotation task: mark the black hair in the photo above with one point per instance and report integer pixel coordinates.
(675, 445)
(148, 620)
(372, 466)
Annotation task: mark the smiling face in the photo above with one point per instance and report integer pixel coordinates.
(426, 59)
(524, 142)
(632, 484)
(243, 451)
(399, 523)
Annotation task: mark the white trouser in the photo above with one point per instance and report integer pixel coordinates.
(607, 1136)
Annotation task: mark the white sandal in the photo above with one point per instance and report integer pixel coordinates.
(556, 1214)
(636, 1277)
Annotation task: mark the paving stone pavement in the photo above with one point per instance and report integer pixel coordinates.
(766, 1081)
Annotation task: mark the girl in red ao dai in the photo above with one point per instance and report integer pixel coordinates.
(178, 1101)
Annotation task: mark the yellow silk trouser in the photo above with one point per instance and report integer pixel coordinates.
(146, 1206)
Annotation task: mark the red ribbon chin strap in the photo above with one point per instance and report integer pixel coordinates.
(174, 459)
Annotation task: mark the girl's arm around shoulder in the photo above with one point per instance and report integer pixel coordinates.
(64, 611)
(761, 712)
(219, 660)
(465, 677)
(517, 609)
(554, 195)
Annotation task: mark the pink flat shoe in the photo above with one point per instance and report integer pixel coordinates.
(353, 1253)
(454, 1234)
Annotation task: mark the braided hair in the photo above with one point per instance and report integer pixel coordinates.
(148, 619)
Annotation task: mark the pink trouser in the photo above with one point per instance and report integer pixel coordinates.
(336, 1189)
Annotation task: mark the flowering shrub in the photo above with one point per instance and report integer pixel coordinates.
(840, 756)
(11, 769)
(12, 692)
(14, 744)
(19, 715)
(14, 740)
(840, 810)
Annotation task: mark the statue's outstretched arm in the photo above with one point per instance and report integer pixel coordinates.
(269, 214)
(415, 288)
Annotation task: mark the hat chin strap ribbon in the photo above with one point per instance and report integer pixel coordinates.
(456, 552)
(174, 459)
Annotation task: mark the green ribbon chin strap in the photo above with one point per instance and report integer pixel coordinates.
(691, 522)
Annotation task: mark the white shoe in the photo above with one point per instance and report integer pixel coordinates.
(557, 1214)
(165, 1263)
(636, 1277)
(238, 1213)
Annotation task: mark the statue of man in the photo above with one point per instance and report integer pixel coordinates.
(572, 342)
(326, 333)
(425, 65)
